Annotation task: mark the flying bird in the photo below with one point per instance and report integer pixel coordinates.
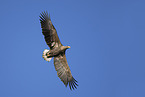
(57, 51)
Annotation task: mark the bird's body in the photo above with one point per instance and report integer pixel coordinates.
(57, 50)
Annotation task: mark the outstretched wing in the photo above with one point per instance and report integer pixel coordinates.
(49, 31)
(63, 71)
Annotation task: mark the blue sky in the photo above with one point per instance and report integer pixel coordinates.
(107, 55)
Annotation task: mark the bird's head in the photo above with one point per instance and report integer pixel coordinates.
(65, 47)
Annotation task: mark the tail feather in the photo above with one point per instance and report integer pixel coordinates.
(45, 55)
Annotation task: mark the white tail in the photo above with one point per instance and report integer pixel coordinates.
(45, 56)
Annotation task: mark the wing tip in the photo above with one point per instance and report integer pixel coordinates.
(44, 15)
(73, 84)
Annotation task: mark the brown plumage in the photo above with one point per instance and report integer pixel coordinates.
(57, 50)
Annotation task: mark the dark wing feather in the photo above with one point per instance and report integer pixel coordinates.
(63, 71)
(49, 31)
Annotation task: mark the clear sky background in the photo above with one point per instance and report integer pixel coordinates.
(107, 55)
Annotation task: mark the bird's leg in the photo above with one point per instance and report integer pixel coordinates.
(46, 55)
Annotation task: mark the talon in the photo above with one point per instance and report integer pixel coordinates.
(46, 55)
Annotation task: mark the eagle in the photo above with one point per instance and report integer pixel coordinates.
(57, 51)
